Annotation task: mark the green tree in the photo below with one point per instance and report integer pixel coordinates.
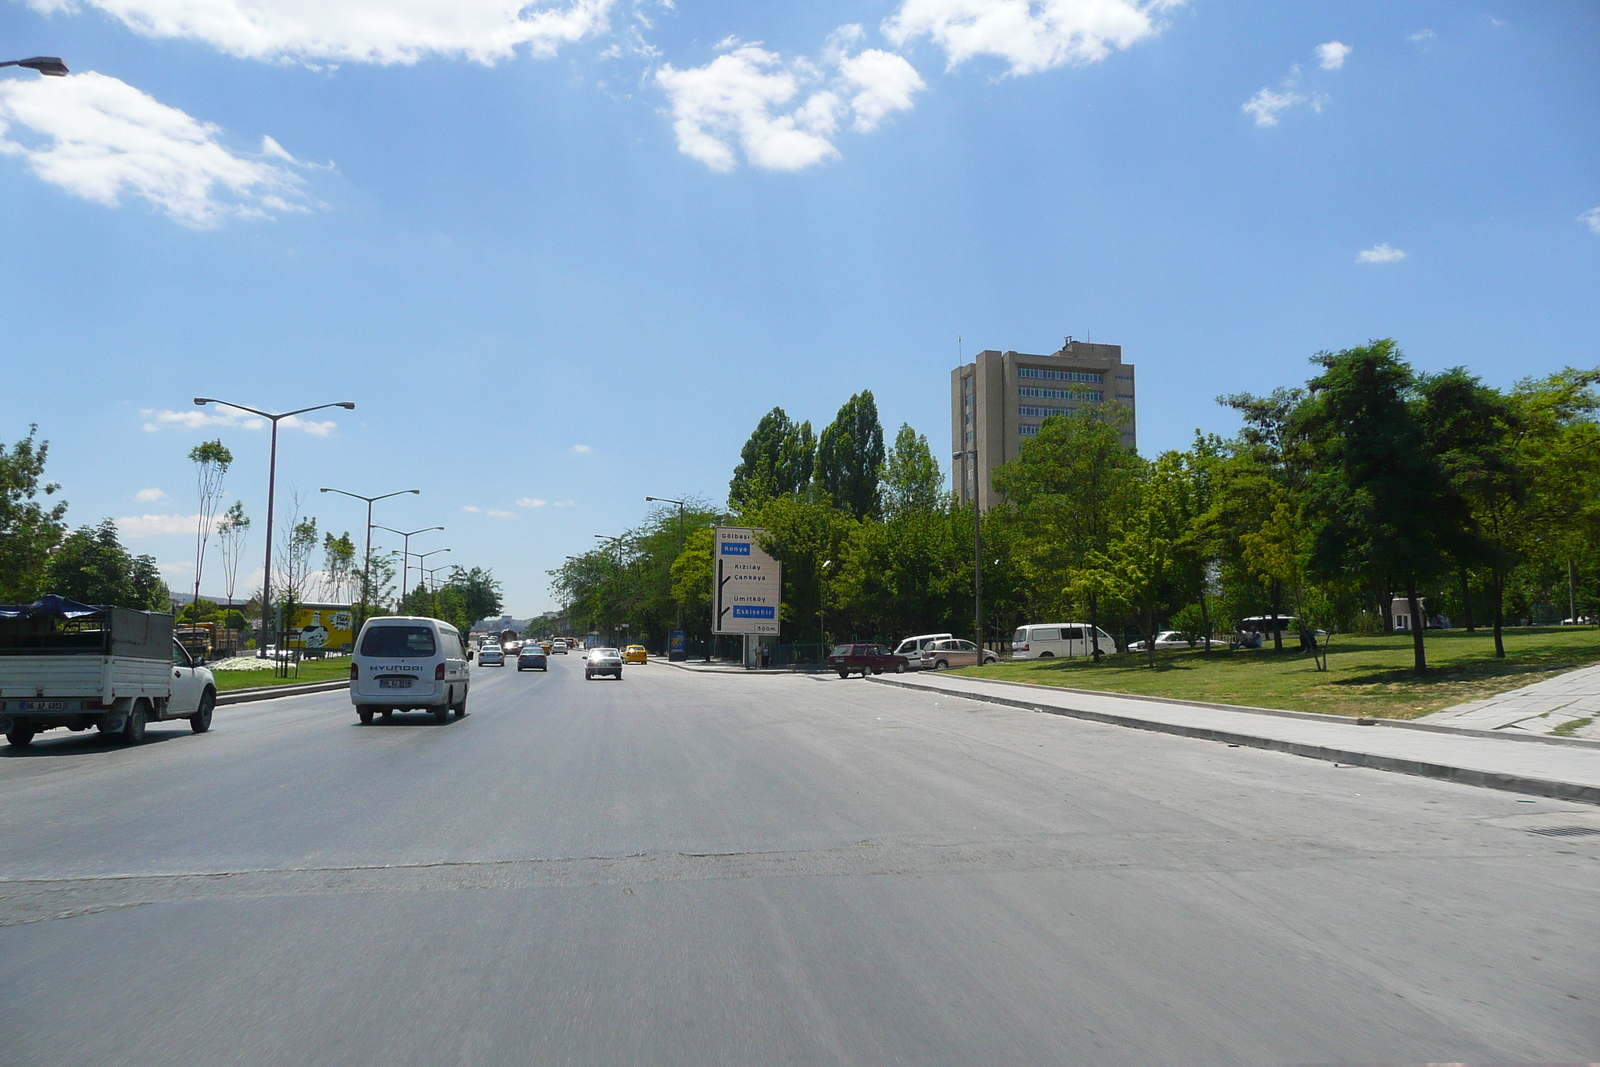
(803, 534)
(1379, 507)
(30, 528)
(211, 461)
(778, 458)
(910, 476)
(850, 455)
(339, 565)
(92, 567)
(480, 592)
(232, 531)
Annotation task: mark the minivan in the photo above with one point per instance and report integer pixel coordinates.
(1066, 639)
(914, 648)
(408, 663)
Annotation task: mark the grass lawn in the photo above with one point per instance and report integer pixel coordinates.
(1368, 676)
(311, 670)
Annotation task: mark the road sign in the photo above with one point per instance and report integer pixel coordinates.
(746, 583)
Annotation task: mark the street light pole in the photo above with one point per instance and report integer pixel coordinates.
(405, 552)
(272, 485)
(366, 563)
(977, 549)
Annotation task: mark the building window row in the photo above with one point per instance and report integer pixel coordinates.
(1061, 394)
(1027, 411)
(1061, 375)
(1028, 431)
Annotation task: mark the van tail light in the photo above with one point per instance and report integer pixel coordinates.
(354, 672)
(438, 673)
(1024, 648)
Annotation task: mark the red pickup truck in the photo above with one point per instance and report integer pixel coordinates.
(868, 659)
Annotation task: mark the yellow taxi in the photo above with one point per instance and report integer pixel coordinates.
(635, 654)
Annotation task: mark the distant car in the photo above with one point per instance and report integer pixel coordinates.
(954, 652)
(1164, 640)
(532, 658)
(545, 644)
(915, 648)
(603, 661)
(868, 659)
(510, 648)
(491, 656)
(558, 647)
(635, 654)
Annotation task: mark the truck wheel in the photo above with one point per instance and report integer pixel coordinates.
(441, 714)
(200, 721)
(133, 725)
(365, 714)
(20, 736)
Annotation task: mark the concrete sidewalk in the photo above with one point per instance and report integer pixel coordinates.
(1539, 709)
(1536, 765)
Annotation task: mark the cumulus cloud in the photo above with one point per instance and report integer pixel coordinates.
(359, 31)
(582, 448)
(1028, 35)
(1380, 254)
(201, 418)
(1265, 105)
(146, 496)
(1331, 56)
(136, 526)
(783, 114)
(98, 137)
(531, 502)
(1592, 217)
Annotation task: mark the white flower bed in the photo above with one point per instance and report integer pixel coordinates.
(242, 663)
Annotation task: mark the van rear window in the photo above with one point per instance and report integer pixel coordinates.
(398, 642)
(1046, 633)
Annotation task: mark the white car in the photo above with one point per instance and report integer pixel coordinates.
(603, 661)
(916, 648)
(408, 663)
(491, 656)
(1165, 639)
(558, 647)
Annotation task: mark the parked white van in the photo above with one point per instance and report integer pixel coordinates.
(915, 648)
(1053, 639)
(408, 663)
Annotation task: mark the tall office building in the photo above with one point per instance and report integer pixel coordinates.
(1000, 398)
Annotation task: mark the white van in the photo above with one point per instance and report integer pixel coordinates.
(408, 663)
(1053, 639)
(915, 648)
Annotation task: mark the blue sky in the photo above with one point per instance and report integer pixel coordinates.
(566, 257)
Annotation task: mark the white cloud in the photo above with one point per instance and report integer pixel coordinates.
(582, 448)
(471, 507)
(1265, 105)
(147, 496)
(197, 418)
(565, 503)
(783, 115)
(1332, 55)
(531, 502)
(1380, 254)
(1592, 217)
(359, 31)
(1029, 35)
(498, 514)
(136, 526)
(98, 137)
(1422, 36)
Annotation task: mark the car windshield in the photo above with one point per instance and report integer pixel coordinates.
(398, 642)
(841, 650)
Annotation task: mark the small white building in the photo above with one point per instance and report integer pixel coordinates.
(1400, 611)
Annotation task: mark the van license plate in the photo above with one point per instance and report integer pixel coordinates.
(42, 705)
(394, 683)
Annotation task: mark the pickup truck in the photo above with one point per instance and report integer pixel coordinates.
(71, 665)
(868, 659)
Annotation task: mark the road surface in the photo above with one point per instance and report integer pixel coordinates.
(699, 869)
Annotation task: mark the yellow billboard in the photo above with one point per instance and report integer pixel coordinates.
(328, 627)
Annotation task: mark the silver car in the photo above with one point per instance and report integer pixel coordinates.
(942, 655)
(491, 656)
(603, 661)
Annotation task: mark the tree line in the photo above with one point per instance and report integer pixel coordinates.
(1371, 483)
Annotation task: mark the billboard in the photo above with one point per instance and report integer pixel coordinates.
(746, 583)
(328, 627)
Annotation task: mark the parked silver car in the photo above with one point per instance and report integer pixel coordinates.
(954, 652)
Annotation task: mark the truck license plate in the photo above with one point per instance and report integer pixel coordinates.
(43, 705)
(394, 683)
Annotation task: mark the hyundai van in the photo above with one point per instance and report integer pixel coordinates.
(1063, 639)
(408, 663)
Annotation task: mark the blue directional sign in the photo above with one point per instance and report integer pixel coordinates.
(754, 611)
(735, 548)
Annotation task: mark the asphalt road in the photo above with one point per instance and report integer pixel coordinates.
(728, 869)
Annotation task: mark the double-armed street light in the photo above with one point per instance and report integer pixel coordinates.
(424, 555)
(49, 66)
(272, 482)
(405, 552)
(366, 564)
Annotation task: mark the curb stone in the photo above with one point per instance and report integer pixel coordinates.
(270, 692)
(1513, 783)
